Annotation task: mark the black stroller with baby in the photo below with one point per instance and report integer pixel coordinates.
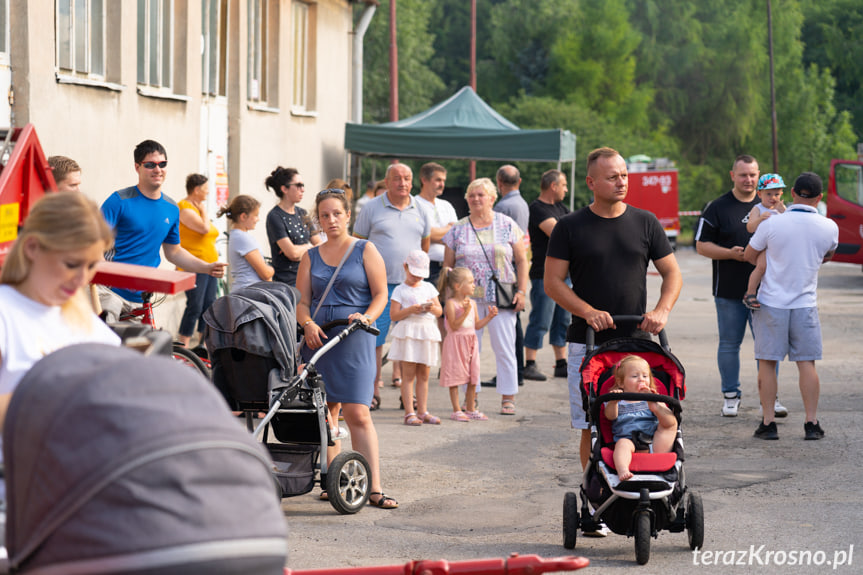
(251, 337)
(656, 498)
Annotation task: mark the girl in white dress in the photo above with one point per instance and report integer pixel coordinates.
(416, 338)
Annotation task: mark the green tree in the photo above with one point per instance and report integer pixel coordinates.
(593, 63)
(833, 33)
(419, 86)
(516, 53)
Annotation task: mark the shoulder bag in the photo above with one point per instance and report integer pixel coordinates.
(504, 292)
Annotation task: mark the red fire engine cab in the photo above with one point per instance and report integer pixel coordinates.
(653, 187)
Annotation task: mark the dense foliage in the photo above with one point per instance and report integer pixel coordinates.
(684, 80)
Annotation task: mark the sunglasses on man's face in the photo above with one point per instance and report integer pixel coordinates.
(331, 191)
(150, 165)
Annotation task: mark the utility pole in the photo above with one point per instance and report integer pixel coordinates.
(772, 89)
(394, 65)
(472, 167)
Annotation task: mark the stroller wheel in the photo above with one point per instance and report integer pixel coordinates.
(570, 520)
(694, 520)
(642, 537)
(348, 482)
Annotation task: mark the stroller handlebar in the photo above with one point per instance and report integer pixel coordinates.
(590, 334)
(672, 403)
(352, 326)
(369, 328)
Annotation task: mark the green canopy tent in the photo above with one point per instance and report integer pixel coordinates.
(461, 127)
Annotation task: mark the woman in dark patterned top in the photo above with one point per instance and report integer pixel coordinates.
(288, 229)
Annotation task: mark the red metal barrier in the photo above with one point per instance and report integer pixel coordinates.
(515, 564)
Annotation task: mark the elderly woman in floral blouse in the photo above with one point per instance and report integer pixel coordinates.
(483, 239)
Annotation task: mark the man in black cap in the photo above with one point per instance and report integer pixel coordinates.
(796, 242)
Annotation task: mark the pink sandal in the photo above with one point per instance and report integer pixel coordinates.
(412, 420)
(459, 416)
(430, 419)
(477, 415)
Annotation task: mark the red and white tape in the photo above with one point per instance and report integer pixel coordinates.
(690, 213)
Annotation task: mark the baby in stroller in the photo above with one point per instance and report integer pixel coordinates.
(632, 391)
(637, 424)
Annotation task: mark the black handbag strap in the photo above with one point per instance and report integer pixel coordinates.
(333, 277)
(490, 265)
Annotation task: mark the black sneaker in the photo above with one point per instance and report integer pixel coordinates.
(530, 372)
(561, 371)
(490, 383)
(766, 431)
(813, 430)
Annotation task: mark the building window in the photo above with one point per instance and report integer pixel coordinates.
(214, 24)
(4, 32)
(81, 37)
(155, 32)
(303, 18)
(258, 50)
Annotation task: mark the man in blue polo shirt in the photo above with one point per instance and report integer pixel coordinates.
(145, 220)
(396, 224)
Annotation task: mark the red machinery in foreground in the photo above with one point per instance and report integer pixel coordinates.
(515, 564)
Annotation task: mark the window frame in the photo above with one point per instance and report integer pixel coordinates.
(72, 66)
(214, 29)
(256, 85)
(303, 58)
(163, 50)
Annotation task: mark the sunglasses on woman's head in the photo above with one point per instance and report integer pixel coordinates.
(331, 191)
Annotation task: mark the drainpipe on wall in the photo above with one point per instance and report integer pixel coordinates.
(357, 88)
(359, 34)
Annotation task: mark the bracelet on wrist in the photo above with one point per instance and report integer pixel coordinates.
(307, 322)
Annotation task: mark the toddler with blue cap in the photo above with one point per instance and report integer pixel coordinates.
(770, 188)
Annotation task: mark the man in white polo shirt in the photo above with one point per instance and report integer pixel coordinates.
(796, 243)
(396, 224)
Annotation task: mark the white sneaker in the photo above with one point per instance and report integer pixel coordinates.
(601, 531)
(732, 404)
(779, 410)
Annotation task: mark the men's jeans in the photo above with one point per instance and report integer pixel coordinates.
(198, 299)
(732, 317)
(545, 316)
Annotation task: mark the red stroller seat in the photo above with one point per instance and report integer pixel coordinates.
(641, 462)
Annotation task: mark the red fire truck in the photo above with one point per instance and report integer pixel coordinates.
(845, 207)
(653, 187)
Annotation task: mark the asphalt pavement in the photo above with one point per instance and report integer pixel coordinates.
(487, 489)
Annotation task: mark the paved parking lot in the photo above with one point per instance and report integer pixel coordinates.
(486, 489)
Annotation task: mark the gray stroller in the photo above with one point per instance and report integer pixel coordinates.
(121, 463)
(251, 337)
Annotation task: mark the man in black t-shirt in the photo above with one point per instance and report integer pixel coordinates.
(605, 249)
(545, 315)
(721, 236)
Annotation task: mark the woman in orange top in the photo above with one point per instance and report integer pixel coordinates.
(198, 236)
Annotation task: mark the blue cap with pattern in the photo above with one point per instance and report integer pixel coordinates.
(770, 182)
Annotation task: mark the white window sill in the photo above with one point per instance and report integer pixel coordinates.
(160, 95)
(302, 112)
(260, 107)
(79, 81)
